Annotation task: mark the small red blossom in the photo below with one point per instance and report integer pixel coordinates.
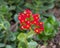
(28, 22)
(42, 29)
(41, 24)
(22, 27)
(36, 16)
(27, 11)
(35, 22)
(22, 19)
(27, 27)
(37, 30)
(27, 15)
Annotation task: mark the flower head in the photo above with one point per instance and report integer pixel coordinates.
(26, 21)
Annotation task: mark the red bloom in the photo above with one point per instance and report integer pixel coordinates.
(27, 15)
(41, 28)
(36, 16)
(21, 19)
(37, 30)
(27, 26)
(21, 14)
(34, 19)
(27, 11)
(22, 27)
(41, 24)
(35, 22)
(28, 22)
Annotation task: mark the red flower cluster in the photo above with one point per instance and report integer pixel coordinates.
(27, 19)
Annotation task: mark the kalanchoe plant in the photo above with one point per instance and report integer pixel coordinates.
(44, 29)
(13, 37)
(28, 19)
(31, 22)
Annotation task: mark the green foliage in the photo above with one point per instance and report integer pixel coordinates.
(24, 42)
(9, 10)
(50, 28)
(22, 36)
(32, 44)
(9, 46)
(40, 5)
(2, 45)
(5, 34)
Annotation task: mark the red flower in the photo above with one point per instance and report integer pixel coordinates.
(21, 19)
(21, 14)
(41, 28)
(37, 30)
(27, 11)
(27, 27)
(36, 16)
(35, 22)
(41, 24)
(22, 27)
(34, 19)
(28, 22)
(27, 15)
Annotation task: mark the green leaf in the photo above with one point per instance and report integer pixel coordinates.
(1, 35)
(45, 38)
(2, 45)
(48, 28)
(3, 9)
(16, 17)
(30, 34)
(32, 44)
(6, 25)
(9, 46)
(46, 6)
(22, 44)
(59, 23)
(28, 5)
(12, 8)
(1, 18)
(52, 20)
(11, 36)
(0, 28)
(22, 36)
